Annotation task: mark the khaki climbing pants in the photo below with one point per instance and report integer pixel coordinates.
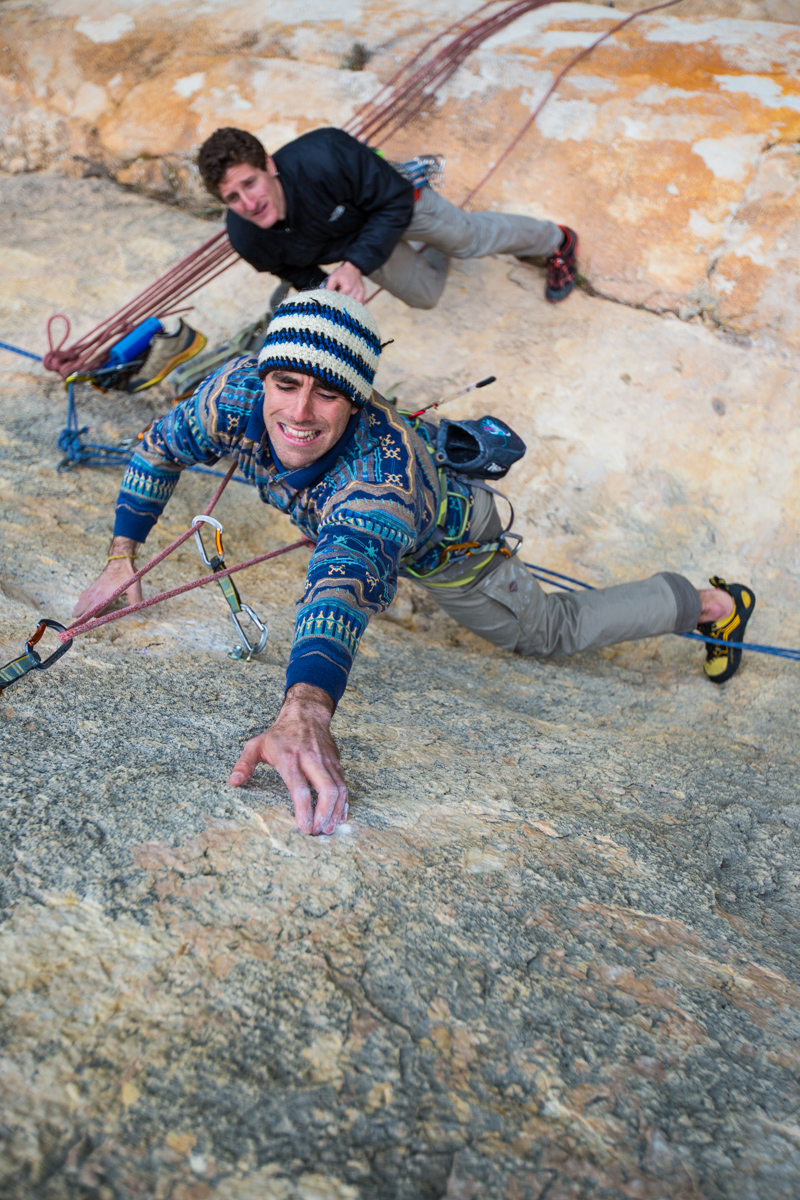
(506, 606)
(448, 232)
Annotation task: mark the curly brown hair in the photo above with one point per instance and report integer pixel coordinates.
(227, 148)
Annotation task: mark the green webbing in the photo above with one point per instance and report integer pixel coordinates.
(18, 667)
(230, 593)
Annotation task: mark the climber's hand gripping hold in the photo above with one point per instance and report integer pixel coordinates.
(301, 748)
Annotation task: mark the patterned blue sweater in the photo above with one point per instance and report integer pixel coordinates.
(371, 501)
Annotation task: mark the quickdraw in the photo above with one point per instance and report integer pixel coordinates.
(247, 649)
(30, 660)
(92, 618)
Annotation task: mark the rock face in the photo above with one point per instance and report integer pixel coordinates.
(672, 148)
(555, 952)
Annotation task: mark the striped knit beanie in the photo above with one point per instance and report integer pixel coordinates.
(327, 335)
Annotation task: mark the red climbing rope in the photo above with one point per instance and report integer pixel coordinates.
(511, 147)
(197, 269)
(409, 90)
(184, 537)
(427, 93)
(85, 626)
(89, 620)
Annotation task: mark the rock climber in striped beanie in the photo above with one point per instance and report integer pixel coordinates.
(378, 495)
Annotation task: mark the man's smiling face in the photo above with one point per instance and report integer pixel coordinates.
(304, 416)
(254, 194)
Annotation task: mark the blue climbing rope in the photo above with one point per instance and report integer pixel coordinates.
(17, 350)
(554, 577)
(78, 453)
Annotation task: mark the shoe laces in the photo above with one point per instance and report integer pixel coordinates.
(713, 651)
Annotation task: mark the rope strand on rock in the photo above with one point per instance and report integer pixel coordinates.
(85, 626)
(184, 537)
(197, 269)
(512, 145)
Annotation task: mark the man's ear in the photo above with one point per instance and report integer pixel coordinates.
(354, 408)
(271, 168)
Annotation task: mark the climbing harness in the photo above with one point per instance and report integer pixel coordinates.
(247, 649)
(457, 549)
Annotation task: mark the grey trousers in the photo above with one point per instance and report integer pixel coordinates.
(506, 606)
(448, 232)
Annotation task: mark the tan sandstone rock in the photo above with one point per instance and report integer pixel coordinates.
(663, 148)
(554, 951)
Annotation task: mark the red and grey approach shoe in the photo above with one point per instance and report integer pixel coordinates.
(723, 661)
(562, 267)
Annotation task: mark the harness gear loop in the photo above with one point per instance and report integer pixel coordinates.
(30, 660)
(458, 550)
(247, 649)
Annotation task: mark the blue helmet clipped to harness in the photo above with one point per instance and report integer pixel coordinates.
(482, 449)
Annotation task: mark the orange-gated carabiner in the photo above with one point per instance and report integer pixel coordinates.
(30, 660)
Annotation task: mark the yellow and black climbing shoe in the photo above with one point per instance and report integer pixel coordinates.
(166, 352)
(723, 661)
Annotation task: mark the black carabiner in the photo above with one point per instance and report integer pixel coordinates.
(43, 664)
(30, 660)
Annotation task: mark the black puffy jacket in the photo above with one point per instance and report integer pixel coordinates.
(343, 202)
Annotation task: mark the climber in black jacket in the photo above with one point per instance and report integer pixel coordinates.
(326, 198)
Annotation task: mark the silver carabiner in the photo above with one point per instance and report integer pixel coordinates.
(510, 534)
(198, 537)
(247, 650)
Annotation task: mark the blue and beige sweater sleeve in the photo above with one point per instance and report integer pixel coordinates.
(202, 429)
(376, 501)
(351, 577)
